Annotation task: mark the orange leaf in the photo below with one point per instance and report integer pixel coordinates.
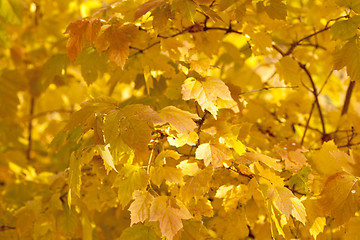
(87, 27)
(116, 39)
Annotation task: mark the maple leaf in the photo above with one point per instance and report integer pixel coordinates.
(116, 39)
(129, 179)
(349, 56)
(144, 8)
(169, 212)
(338, 197)
(206, 92)
(196, 186)
(292, 154)
(269, 161)
(133, 124)
(106, 155)
(180, 119)
(74, 178)
(139, 208)
(86, 27)
(213, 153)
(139, 232)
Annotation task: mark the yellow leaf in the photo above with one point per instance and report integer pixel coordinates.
(74, 177)
(289, 71)
(169, 212)
(269, 161)
(318, 226)
(133, 124)
(339, 196)
(106, 155)
(144, 8)
(180, 119)
(194, 230)
(352, 4)
(140, 207)
(345, 29)
(213, 153)
(298, 210)
(129, 179)
(181, 139)
(139, 232)
(206, 92)
(190, 169)
(276, 9)
(170, 174)
(196, 186)
(349, 56)
(325, 162)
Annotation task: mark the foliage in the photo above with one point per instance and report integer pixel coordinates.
(179, 119)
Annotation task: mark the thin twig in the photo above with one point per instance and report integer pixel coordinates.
(307, 123)
(348, 98)
(267, 88)
(316, 94)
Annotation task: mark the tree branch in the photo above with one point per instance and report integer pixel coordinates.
(348, 98)
(30, 126)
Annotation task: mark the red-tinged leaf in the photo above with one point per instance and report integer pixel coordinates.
(116, 39)
(169, 212)
(140, 207)
(144, 8)
(206, 92)
(213, 153)
(87, 27)
(181, 120)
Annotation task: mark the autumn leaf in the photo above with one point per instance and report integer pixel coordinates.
(180, 119)
(139, 232)
(269, 161)
(215, 154)
(129, 179)
(140, 207)
(349, 56)
(144, 8)
(206, 92)
(134, 124)
(86, 27)
(169, 212)
(339, 196)
(116, 39)
(106, 155)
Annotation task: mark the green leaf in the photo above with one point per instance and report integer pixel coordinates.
(139, 232)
